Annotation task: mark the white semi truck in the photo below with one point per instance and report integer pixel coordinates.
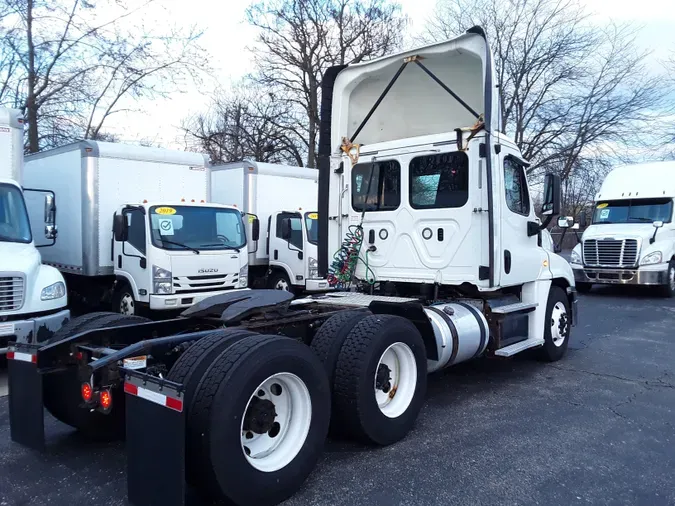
(32, 296)
(631, 238)
(437, 239)
(283, 200)
(136, 230)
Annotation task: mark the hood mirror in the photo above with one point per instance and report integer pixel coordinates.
(657, 226)
(565, 221)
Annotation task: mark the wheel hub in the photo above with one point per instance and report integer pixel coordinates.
(260, 416)
(383, 378)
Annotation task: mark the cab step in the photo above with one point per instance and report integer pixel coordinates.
(523, 345)
(517, 308)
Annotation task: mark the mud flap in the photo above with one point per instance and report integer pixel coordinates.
(155, 425)
(26, 412)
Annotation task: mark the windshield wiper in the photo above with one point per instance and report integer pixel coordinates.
(227, 248)
(641, 219)
(180, 244)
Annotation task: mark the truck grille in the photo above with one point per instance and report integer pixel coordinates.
(610, 252)
(11, 293)
(210, 283)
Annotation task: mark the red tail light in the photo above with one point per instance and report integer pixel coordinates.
(87, 392)
(105, 399)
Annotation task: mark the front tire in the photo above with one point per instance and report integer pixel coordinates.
(380, 379)
(258, 422)
(668, 290)
(280, 281)
(123, 301)
(556, 326)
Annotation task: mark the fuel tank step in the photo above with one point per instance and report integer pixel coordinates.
(511, 350)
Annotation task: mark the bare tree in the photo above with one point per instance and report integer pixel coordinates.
(571, 93)
(299, 39)
(247, 123)
(75, 68)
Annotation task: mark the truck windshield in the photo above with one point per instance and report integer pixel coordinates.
(633, 211)
(312, 224)
(202, 228)
(14, 224)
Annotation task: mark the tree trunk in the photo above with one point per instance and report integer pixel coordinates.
(31, 102)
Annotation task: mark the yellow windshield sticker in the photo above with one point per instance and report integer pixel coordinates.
(165, 210)
(603, 205)
(313, 216)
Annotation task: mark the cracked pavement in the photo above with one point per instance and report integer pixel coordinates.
(595, 428)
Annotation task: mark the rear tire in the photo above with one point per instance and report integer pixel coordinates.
(556, 326)
(222, 408)
(61, 390)
(380, 379)
(584, 287)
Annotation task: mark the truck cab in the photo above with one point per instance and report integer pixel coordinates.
(171, 255)
(631, 238)
(293, 240)
(33, 296)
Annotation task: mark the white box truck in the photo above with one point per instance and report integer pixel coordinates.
(32, 296)
(456, 272)
(284, 201)
(135, 226)
(631, 238)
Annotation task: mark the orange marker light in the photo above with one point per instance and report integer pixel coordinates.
(105, 399)
(86, 391)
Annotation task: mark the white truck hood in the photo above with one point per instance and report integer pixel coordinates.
(620, 230)
(19, 257)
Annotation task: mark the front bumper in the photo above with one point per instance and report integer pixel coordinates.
(644, 275)
(184, 300)
(32, 331)
(316, 285)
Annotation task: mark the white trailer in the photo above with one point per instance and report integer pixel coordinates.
(32, 296)
(283, 199)
(170, 248)
(631, 239)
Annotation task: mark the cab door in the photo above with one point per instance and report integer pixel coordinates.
(287, 252)
(522, 258)
(130, 256)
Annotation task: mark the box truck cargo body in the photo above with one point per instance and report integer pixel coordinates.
(283, 199)
(32, 295)
(145, 265)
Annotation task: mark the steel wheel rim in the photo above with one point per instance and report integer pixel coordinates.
(282, 284)
(558, 324)
(395, 380)
(275, 448)
(671, 277)
(127, 304)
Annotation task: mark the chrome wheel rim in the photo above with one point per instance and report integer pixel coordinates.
(559, 322)
(127, 304)
(282, 284)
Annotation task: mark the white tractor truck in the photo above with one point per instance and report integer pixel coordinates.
(631, 238)
(32, 296)
(281, 199)
(136, 229)
(437, 239)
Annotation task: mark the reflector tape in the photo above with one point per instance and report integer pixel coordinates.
(24, 357)
(157, 398)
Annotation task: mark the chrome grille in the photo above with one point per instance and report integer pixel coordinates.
(210, 283)
(610, 252)
(11, 293)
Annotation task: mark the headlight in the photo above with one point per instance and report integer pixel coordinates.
(55, 291)
(653, 258)
(575, 258)
(161, 281)
(313, 268)
(243, 276)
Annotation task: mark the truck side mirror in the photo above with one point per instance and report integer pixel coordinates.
(120, 227)
(565, 221)
(255, 229)
(286, 229)
(50, 217)
(552, 195)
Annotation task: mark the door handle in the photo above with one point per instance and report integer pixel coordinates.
(276, 254)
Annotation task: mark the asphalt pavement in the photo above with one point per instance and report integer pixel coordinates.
(595, 428)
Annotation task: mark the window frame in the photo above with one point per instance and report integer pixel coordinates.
(353, 187)
(290, 215)
(128, 212)
(522, 166)
(418, 207)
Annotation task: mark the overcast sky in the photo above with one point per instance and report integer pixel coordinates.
(226, 37)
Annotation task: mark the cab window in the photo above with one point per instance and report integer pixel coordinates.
(439, 181)
(376, 186)
(515, 187)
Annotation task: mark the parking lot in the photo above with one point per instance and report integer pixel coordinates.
(595, 428)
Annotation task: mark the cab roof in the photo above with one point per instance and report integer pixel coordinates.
(639, 181)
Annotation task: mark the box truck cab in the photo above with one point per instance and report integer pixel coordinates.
(136, 231)
(282, 200)
(32, 296)
(631, 238)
